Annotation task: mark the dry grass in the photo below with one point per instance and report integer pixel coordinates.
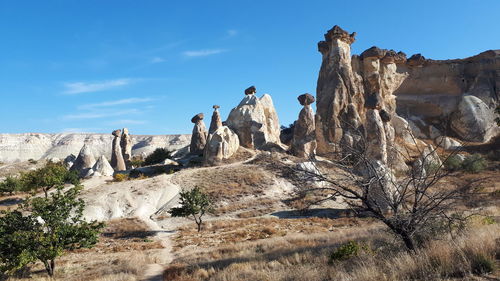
(226, 232)
(461, 258)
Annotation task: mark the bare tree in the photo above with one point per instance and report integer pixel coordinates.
(412, 206)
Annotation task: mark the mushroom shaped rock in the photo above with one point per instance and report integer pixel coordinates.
(304, 132)
(199, 136)
(216, 121)
(102, 167)
(222, 144)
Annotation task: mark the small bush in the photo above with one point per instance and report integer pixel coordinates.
(347, 251)
(158, 156)
(482, 264)
(10, 184)
(120, 177)
(474, 163)
(136, 162)
(453, 163)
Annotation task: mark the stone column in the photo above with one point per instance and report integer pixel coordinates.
(216, 122)
(199, 136)
(126, 144)
(117, 161)
(304, 132)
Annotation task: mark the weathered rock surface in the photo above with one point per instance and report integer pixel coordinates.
(126, 144)
(255, 121)
(376, 139)
(199, 136)
(21, 147)
(84, 162)
(117, 161)
(447, 143)
(102, 167)
(216, 121)
(304, 132)
(474, 120)
(222, 144)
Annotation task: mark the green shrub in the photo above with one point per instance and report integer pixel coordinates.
(158, 156)
(10, 184)
(135, 162)
(482, 264)
(474, 163)
(347, 251)
(453, 163)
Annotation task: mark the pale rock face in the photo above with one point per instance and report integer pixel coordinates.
(221, 145)
(304, 137)
(402, 128)
(382, 191)
(84, 162)
(434, 132)
(21, 147)
(102, 167)
(447, 143)
(126, 144)
(474, 120)
(255, 121)
(199, 137)
(216, 121)
(376, 139)
(117, 161)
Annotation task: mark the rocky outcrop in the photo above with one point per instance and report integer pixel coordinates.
(117, 161)
(102, 168)
(199, 136)
(84, 162)
(304, 136)
(447, 143)
(126, 144)
(474, 120)
(216, 121)
(21, 147)
(255, 121)
(376, 139)
(221, 145)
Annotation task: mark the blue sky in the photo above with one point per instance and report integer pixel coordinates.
(98, 65)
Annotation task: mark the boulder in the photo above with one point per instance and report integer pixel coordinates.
(402, 129)
(474, 120)
(126, 145)
(84, 162)
(447, 143)
(222, 144)
(199, 136)
(102, 167)
(304, 136)
(216, 122)
(117, 161)
(255, 121)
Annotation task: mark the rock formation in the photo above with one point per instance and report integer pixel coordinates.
(102, 167)
(126, 144)
(474, 120)
(255, 121)
(432, 92)
(199, 136)
(117, 161)
(21, 147)
(84, 162)
(216, 122)
(304, 136)
(222, 144)
(376, 138)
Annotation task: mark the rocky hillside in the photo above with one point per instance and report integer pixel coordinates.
(22, 147)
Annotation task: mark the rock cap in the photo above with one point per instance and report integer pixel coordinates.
(250, 90)
(117, 133)
(197, 117)
(306, 99)
(215, 107)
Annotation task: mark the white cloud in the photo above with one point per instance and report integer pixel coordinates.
(85, 87)
(157, 60)
(115, 102)
(203, 53)
(100, 114)
(232, 32)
